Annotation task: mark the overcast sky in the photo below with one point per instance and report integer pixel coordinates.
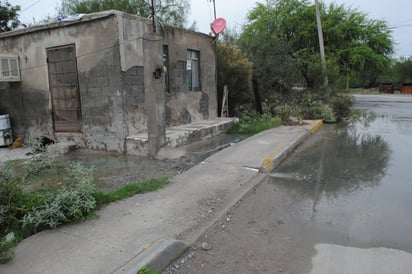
(398, 14)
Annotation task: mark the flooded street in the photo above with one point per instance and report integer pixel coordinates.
(356, 179)
(340, 204)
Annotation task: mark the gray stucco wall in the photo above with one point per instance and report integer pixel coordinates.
(182, 106)
(110, 60)
(190, 106)
(100, 82)
(28, 109)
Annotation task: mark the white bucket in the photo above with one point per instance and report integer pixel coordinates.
(4, 122)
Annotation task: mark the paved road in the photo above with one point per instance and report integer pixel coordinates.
(156, 227)
(341, 204)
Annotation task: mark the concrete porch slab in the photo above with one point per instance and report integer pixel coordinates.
(181, 135)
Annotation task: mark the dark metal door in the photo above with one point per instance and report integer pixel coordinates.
(64, 87)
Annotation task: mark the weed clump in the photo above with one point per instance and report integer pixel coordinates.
(251, 123)
(312, 105)
(23, 213)
(74, 202)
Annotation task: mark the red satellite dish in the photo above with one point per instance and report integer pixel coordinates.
(218, 25)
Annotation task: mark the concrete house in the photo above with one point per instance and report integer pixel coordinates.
(104, 77)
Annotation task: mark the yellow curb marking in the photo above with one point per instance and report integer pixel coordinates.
(317, 126)
(147, 246)
(268, 161)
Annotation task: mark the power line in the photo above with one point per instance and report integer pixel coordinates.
(401, 26)
(23, 10)
(405, 21)
(210, 11)
(97, 51)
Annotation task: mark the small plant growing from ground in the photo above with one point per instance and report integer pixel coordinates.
(23, 213)
(286, 111)
(103, 198)
(74, 202)
(146, 270)
(6, 248)
(341, 106)
(254, 123)
(41, 159)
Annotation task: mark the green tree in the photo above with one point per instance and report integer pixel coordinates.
(173, 12)
(359, 46)
(285, 33)
(230, 35)
(274, 69)
(9, 18)
(235, 71)
(403, 70)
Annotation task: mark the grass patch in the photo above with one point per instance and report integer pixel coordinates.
(103, 198)
(252, 124)
(146, 270)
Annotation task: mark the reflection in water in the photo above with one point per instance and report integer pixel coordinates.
(363, 119)
(349, 160)
(351, 184)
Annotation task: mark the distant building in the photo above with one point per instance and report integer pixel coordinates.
(86, 80)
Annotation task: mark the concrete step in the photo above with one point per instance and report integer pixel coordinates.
(181, 135)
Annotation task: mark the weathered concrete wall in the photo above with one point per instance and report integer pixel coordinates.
(102, 97)
(28, 109)
(182, 106)
(190, 106)
(110, 60)
(131, 37)
(27, 102)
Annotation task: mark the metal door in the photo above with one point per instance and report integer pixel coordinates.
(64, 87)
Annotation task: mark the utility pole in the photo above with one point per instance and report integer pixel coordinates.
(153, 87)
(215, 47)
(153, 15)
(214, 8)
(321, 45)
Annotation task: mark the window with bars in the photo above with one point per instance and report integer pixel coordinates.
(9, 68)
(192, 70)
(166, 64)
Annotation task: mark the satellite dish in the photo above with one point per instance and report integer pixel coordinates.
(218, 26)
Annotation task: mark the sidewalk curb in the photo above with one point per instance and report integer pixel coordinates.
(155, 255)
(160, 253)
(280, 154)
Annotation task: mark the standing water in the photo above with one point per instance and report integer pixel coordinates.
(112, 170)
(353, 182)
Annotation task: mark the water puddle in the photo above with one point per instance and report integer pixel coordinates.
(292, 176)
(112, 170)
(356, 179)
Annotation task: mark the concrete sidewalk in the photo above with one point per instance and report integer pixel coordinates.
(154, 228)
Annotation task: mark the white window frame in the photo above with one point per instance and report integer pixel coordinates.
(193, 70)
(8, 72)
